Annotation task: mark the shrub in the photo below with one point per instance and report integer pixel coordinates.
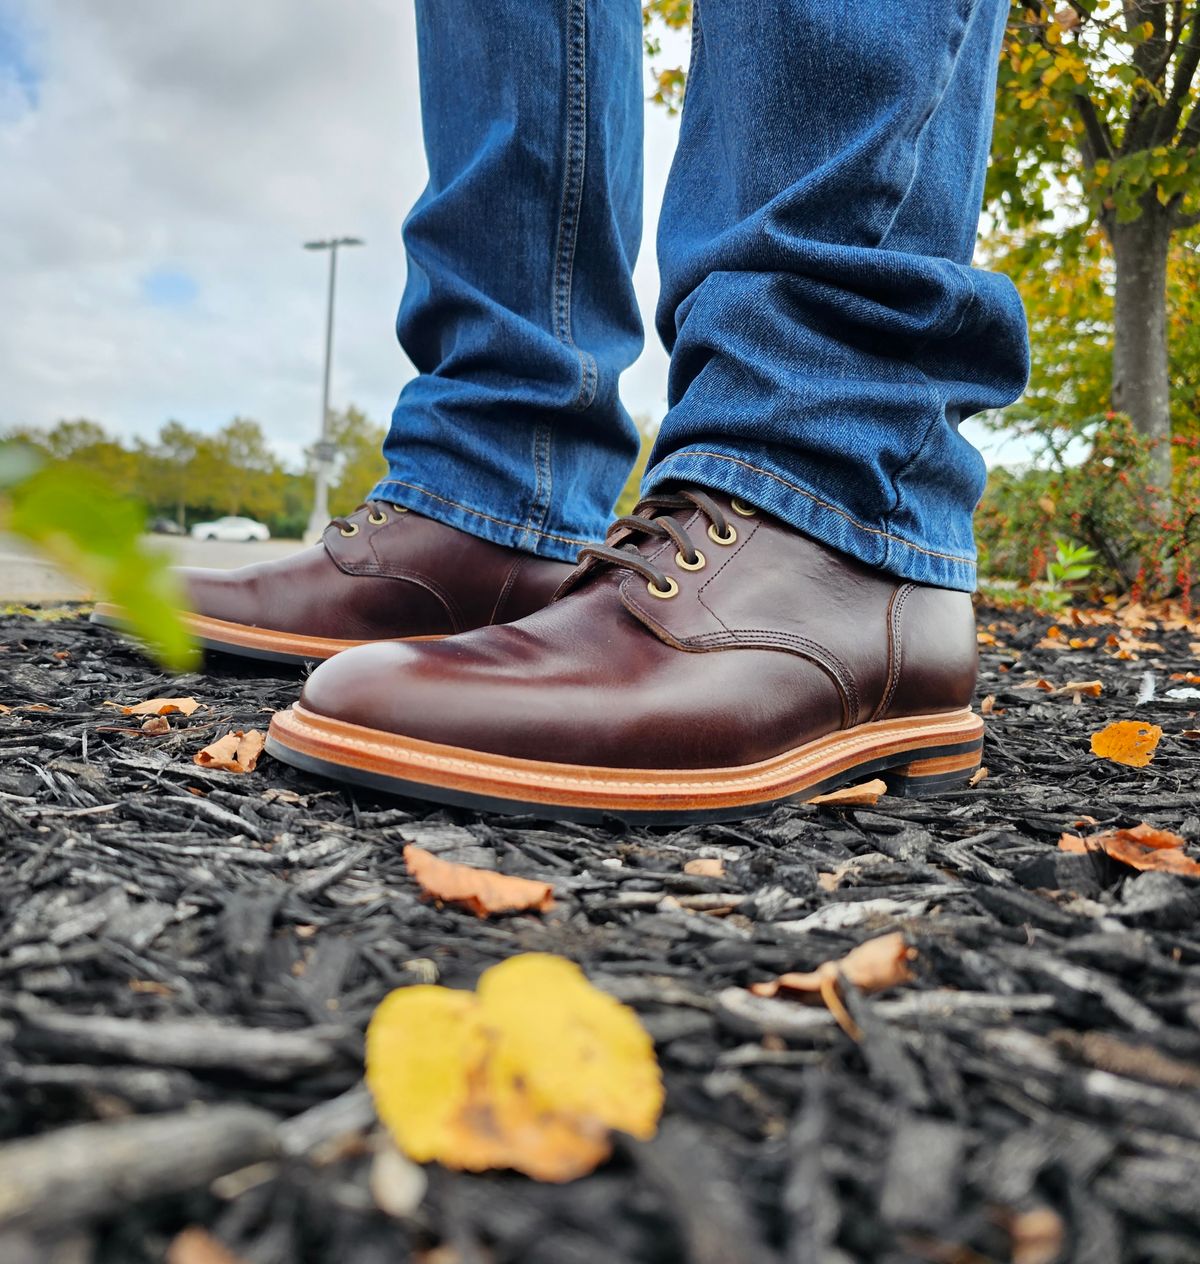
(1147, 539)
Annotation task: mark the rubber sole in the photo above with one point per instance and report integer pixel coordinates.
(245, 641)
(921, 755)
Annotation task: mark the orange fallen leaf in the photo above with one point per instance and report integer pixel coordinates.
(1092, 688)
(480, 890)
(980, 774)
(985, 638)
(235, 752)
(1128, 742)
(864, 795)
(156, 724)
(1190, 678)
(1142, 847)
(704, 867)
(158, 706)
(197, 1246)
(877, 964)
(1037, 1234)
(988, 704)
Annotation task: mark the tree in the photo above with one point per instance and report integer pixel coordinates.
(1097, 124)
(360, 463)
(1097, 127)
(246, 475)
(172, 470)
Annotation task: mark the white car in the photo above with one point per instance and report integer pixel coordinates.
(238, 529)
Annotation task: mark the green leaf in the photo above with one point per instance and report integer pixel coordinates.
(96, 536)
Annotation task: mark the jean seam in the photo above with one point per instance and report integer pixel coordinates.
(478, 513)
(803, 491)
(544, 482)
(574, 164)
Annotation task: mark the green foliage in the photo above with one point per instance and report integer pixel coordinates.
(95, 534)
(360, 463)
(1096, 112)
(1143, 543)
(631, 493)
(1071, 564)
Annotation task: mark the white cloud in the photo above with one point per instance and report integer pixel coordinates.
(209, 141)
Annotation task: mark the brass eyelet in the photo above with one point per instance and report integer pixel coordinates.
(671, 590)
(400, 508)
(685, 565)
(352, 530)
(377, 521)
(740, 507)
(730, 536)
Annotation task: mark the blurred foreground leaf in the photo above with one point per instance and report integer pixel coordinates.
(96, 537)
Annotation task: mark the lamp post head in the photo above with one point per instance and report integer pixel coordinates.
(332, 243)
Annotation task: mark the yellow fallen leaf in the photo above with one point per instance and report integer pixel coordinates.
(480, 890)
(158, 706)
(235, 752)
(865, 795)
(529, 1072)
(1127, 742)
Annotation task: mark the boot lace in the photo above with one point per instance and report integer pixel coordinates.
(645, 521)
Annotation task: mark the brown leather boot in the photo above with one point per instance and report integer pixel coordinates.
(706, 663)
(380, 574)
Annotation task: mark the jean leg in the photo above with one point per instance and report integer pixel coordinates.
(519, 310)
(827, 331)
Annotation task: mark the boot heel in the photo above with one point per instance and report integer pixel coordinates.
(934, 775)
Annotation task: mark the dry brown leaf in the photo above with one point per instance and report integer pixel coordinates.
(1038, 1234)
(1092, 688)
(980, 774)
(985, 638)
(1142, 847)
(988, 704)
(158, 706)
(197, 1246)
(1128, 742)
(864, 795)
(879, 963)
(4, 710)
(480, 890)
(156, 724)
(235, 752)
(704, 867)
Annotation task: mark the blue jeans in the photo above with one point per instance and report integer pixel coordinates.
(827, 332)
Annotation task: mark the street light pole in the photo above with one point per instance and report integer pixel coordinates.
(324, 450)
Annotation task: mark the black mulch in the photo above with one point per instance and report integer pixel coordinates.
(188, 960)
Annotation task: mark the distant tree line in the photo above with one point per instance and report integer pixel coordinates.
(188, 476)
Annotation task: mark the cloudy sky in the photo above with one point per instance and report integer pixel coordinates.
(163, 164)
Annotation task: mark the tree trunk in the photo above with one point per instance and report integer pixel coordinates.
(1141, 370)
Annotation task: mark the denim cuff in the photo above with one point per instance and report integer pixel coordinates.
(477, 522)
(778, 493)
